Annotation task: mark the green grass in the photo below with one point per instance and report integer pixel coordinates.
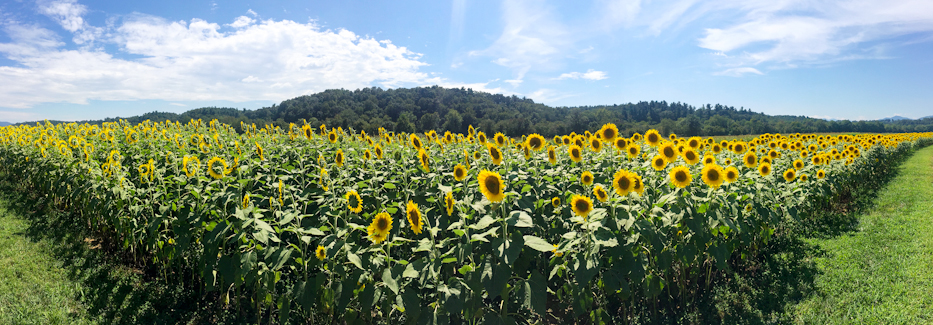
(34, 285)
(883, 272)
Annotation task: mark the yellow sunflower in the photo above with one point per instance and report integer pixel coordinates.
(633, 150)
(609, 132)
(424, 159)
(595, 144)
(415, 141)
(449, 203)
(709, 159)
(460, 172)
(623, 182)
(621, 143)
(490, 184)
(581, 205)
(354, 202)
(732, 174)
(212, 167)
(495, 154)
(481, 137)
(378, 150)
(600, 193)
(764, 169)
(320, 252)
(790, 174)
(668, 151)
(803, 177)
(739, 147)
(637, 187)
(586, 178)
(413, 215)
(551, 155)
(555, 201)
(712, 175)
(338, 157)
(499, 139)
(653, 138)
(379, 229)
(575, 152)
(658, 162)
(535, 142)
(332, 136)
(260, 152)
(680, 176)
(691, 157)
(750, 159)
(820, 174)
(798, 164)
(191, 164)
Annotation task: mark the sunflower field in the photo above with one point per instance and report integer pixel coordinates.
(318, 225)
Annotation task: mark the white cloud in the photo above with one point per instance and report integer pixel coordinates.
(251, 12)
(65, 12)
(738, 72)
(531, 38)
(197, 60)
(514, 82)
(588, 75)
(547, 96)
(241, 22)
(178, 104)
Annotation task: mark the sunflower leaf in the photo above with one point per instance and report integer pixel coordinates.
(519, 219)
(538, 244)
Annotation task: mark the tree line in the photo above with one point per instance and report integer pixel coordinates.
(453, 109)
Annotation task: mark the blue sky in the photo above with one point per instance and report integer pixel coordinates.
(79, 59)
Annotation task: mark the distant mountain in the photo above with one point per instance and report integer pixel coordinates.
(894, 118)
(931, 116)
(5, 123)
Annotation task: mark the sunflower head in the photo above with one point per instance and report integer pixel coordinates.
(790, 174)
(709, 159)
(680, 176)
(668, 151)
(803, 177)
(338, 157)
(691, 156)
(820, 174)
(379, 229)
(653, 138)
(449, 203)
(535, 142)
(764, 169)
(413, 214)
(217, 167)
(600, 193)
(332, 136)
(595, 144)
(424, 159)
(586, 178)
(658, 162)
(750, 159)
(320, 252)
(415, 141)
(623, 182)
(609, 132)
(495, 154)
(732, 174)
(581, 205)
(551, 155)
(354, 202)
(575, 152)
(637, 185)
(260, 152)
(739, 147)
(490, 184)
(460, 172)
(712, 175)
(555, 201)
(499, 139)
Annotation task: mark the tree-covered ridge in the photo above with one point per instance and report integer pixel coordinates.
(451, 109)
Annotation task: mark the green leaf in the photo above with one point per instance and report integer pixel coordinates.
(519, 219)
(389, 280)
(483, 223)
(538, 243)
(536, 293)
(355, 259)
(388, 186)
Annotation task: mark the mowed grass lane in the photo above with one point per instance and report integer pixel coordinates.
(882, 273)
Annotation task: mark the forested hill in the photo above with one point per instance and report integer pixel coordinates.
(437, 108)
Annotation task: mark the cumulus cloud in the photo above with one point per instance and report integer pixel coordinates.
(196, 60)
(588, 75)
(738, 72)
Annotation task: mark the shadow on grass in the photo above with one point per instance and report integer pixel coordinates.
(115, 289)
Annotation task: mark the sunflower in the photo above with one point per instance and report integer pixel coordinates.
(596, 144)
(424, 158)
(449, 203)
(332, 136)
(246, 200)
(690, 156)
(732, 174)
(460, 172)
(260, 152)
(555, 201)
(739, 147)
(338, 157)
(694, 143)
(609, 132)
(191, 164)
(637, 185)
(709, 159)
(820, 174)
(354, 202)
(712, 175)
(576, 153)
(764, 169)
(494, 153)
(481, 137)
(798, 164)
(379, 229)
(551, 155)
(526, 150)
(773, 154)
(668, 151)
(413, 214)
(658, 162)
(764, 160)
(600, 193)
(320, 252)
(535, 142)
(499, 139)
(586, 178)
(653, 138)
(623, 182)
(581, 205)
(727, 162)
(212, 167)
(790, 174)
(490, 184)
(321, 180)
(817, 160)
(367, 155)
(750, 159)
(803, 177)
(378, 150)
(415, 141)
(308, 132)
(680, 176)
(672, 136)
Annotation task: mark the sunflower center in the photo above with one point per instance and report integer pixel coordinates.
(494, 153)
(659, 162)
(623, 183)
(653, 138)
(575, 153)
(534, 142)
(731, 174)
(458, 172)
(680, 176)
(582, 205)
(668, 152)
(690, 155)
(712, 175)
(492, 185)
(414, 218)
(587, 179)
(354, 202)
(382, 224)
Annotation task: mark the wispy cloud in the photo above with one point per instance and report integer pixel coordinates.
(588, 75)
(245, 60)
(738, 72)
